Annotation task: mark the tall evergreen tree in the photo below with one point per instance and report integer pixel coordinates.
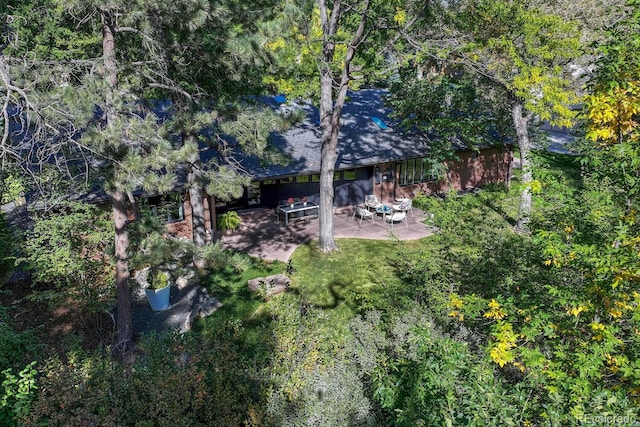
(104, 65)
(207, 57)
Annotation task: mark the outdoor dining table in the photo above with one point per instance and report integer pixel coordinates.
(306, 208)
(384, 210)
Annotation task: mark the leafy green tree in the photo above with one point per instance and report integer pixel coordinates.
(330, 107)
(327, 39)
(525, 53)
(522, 52)
(538, 316)
(601, 242)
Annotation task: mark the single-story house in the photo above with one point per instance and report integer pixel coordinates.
(375, 156)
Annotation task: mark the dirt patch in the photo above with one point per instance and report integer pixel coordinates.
(57, 326)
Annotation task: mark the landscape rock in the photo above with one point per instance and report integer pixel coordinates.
(270, 285)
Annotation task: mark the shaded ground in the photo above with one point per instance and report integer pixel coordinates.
(184, 307)
(56, 326)
(59, 326)
(262, 236)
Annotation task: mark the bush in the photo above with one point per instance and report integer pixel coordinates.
(174, 381)
(7, 249)
(16, 394)
(17, 381)
(67, 252)
(229, 221)
(430, 379)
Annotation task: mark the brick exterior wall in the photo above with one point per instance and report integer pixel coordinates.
(184, 228)
(470, 170)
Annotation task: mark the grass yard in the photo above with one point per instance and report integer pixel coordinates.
(363, 275)
(341, 280)
(470, 326)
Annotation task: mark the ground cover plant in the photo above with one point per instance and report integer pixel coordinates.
(476, 325)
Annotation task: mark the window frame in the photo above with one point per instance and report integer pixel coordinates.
(415, 171)
(164, 206)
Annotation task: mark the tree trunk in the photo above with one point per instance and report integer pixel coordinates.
(520, 123)
(199, 230)
(330, 126)
(330, 112)
(124, 323)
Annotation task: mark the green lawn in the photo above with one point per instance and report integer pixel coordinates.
(469, 326)
(363, 275)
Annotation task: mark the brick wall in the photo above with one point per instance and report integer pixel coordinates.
(470, 170)
(184, 228)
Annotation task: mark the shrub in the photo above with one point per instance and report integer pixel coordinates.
(17, 381)
(7, 249)
(229, 221)
(66, 251)
(428, 378)
(174, 381)
(16, 394)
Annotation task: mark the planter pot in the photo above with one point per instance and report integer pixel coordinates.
(158, 298)
(291, 205)
(304, 204)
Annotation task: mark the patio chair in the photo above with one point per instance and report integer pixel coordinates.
(371, 201)
(403, 206)
(362, 213)
(397, 216)
(276, 211)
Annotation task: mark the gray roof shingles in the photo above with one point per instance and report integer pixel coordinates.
(361, 141)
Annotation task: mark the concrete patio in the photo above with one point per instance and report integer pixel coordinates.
(262, 236)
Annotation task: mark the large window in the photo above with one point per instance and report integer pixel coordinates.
(415, 171)
(169, 207)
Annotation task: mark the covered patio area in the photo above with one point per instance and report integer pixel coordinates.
(261, 235)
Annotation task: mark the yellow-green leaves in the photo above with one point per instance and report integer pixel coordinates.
(496, 311)
(613, 113)
(400, 17)
(505, 340)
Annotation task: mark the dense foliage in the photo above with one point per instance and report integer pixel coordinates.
(66, 251)
(18, 350)
(475, 325)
